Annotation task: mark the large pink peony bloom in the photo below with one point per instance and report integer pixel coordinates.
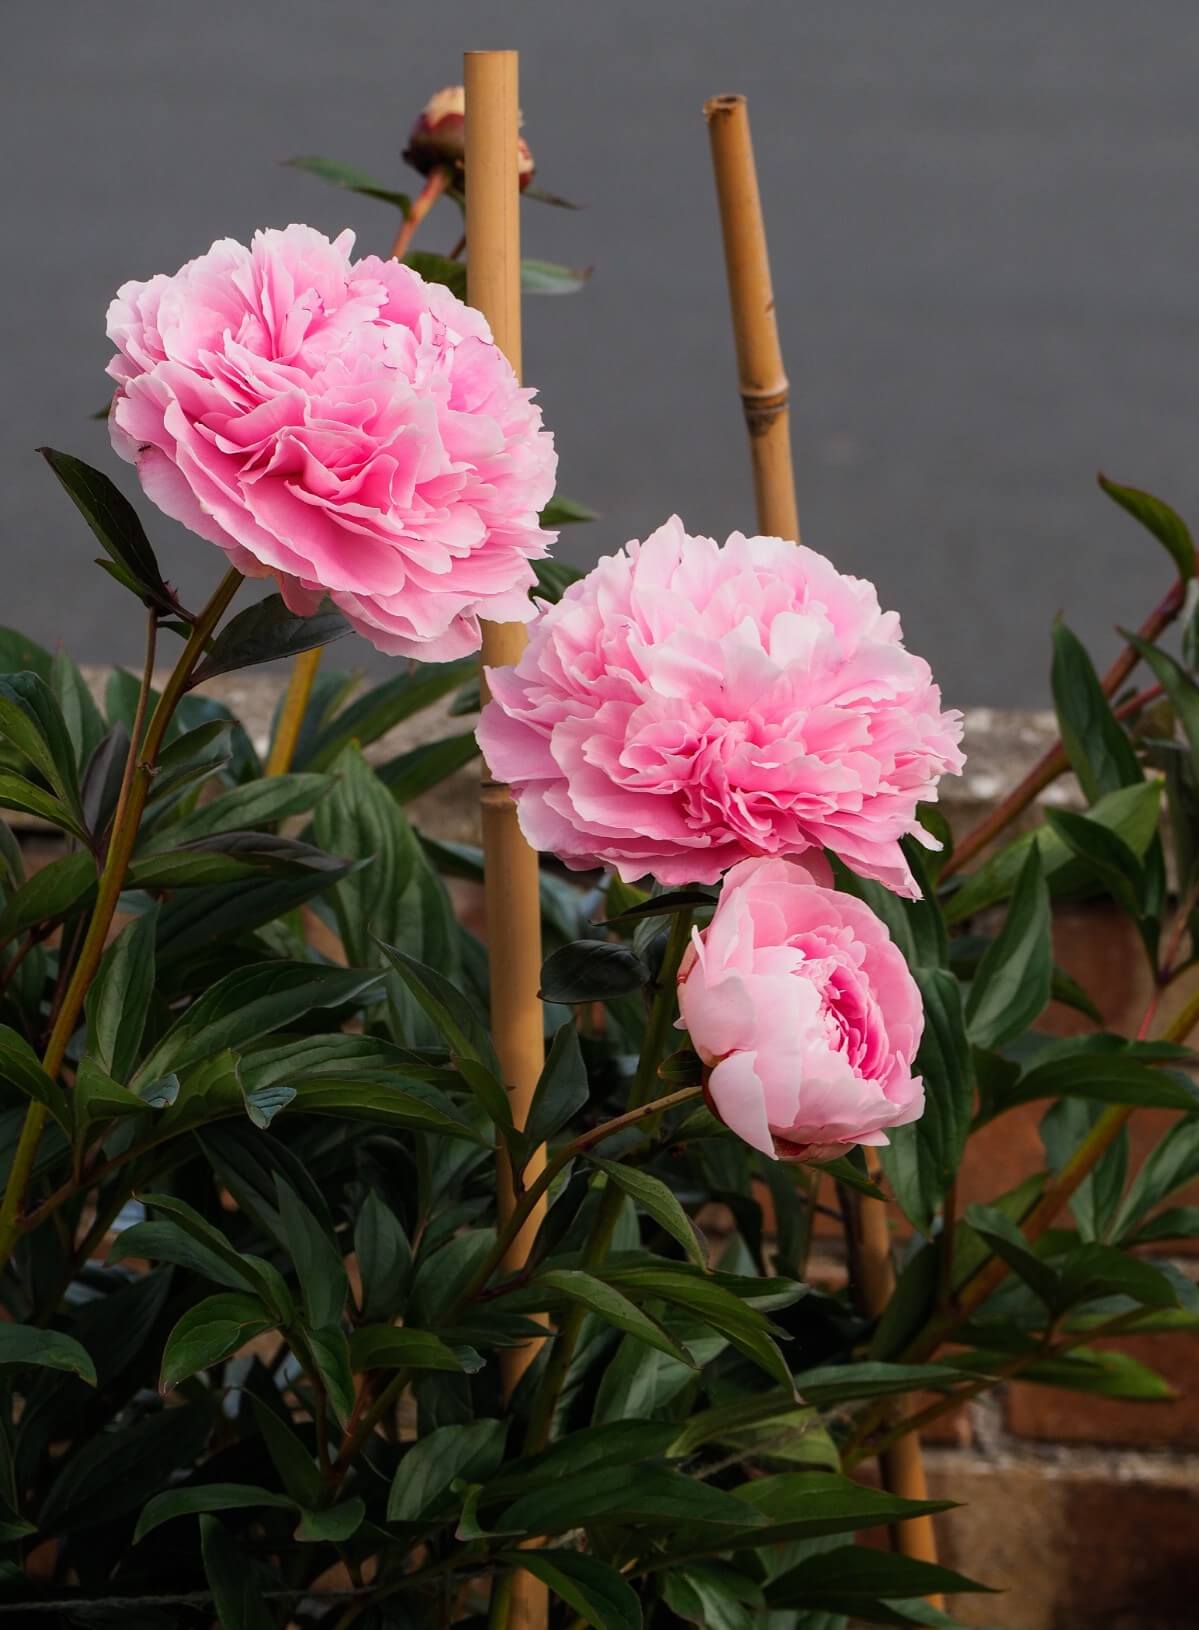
(805, 1012)
(685, 706)
(342, 426)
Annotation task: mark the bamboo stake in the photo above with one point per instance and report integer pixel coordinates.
(765, 396)
(511, 884)
(765, 393)
(513, 897)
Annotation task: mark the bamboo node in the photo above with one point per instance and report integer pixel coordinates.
(762, 408)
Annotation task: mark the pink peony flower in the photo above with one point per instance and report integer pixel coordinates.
(685, 706)
(805, 1012)
(342, 426)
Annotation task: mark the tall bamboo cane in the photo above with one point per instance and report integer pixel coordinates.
(513, 900)
(765, 394)
(511, 885)
(765, 397)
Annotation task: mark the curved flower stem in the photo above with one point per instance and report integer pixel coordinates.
(291, 716)
(1054, 763)
(661, 1016)
(112, 881)
(527, 1204)
(437, 183)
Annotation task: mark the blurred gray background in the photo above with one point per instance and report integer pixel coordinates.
(983, 228)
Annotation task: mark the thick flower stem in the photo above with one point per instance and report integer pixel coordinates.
(1054, 762)
(291, 717)
(657, 1030)
(438, 182)
(112, 881)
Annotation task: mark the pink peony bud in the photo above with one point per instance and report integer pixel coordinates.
(805, 1013)
(686, 706)
(341, 426)
(439, 137)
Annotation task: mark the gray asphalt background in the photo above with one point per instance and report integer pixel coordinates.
(983, 225)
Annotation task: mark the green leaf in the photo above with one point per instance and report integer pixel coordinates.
(713, 1300)
(390, 1347)
(594, 1589)
(334, 1524)
(21, 1068)
(397, 1103)
(447, 1008)
(331, 1351)
(249, 1003)
(663, 905)
(384, 1258)
(97, 1098)
(209, 1250)
(317, 1257)
(261, 802)
(1179, 687)
(618, 1443)
(415, 772)
(591, 971)
(713, 1596)
(1107, 855)
(923, 1157)
(267, 632)
(191, 1502)
(1104, 1374)
(850, 1578)
(114, 521)
(1095, 1271)
(829, 1384)
(382, 708)
(652, 1496)
(1157, 517)
(351, 179)
(1013, 980)
(290, 1457)
(1132, 813)
(807, 1505)
(1171, 1163)
(19, 654)
(235, 1593)
(421, 1487)
(18, 793)
(119, 998)
(547, 277)
(562, 1088)
(80, 713)
(1096, 744)
(118, 1470)
(606, 1303)
(209, 1333)
(439, 269)
(32, 722)
(1007, 1242)
(1101, 1077)
(562, 511)
(55, 891)
(653, 1197)
(24, 1344)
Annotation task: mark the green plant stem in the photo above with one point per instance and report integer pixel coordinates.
(1054, 762)
(112, 881)
(657, 1030)
(359, 1433)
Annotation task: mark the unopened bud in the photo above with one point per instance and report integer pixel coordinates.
(438, 138)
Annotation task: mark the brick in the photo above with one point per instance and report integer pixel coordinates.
(1050, 1414)
(1105, 1546)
